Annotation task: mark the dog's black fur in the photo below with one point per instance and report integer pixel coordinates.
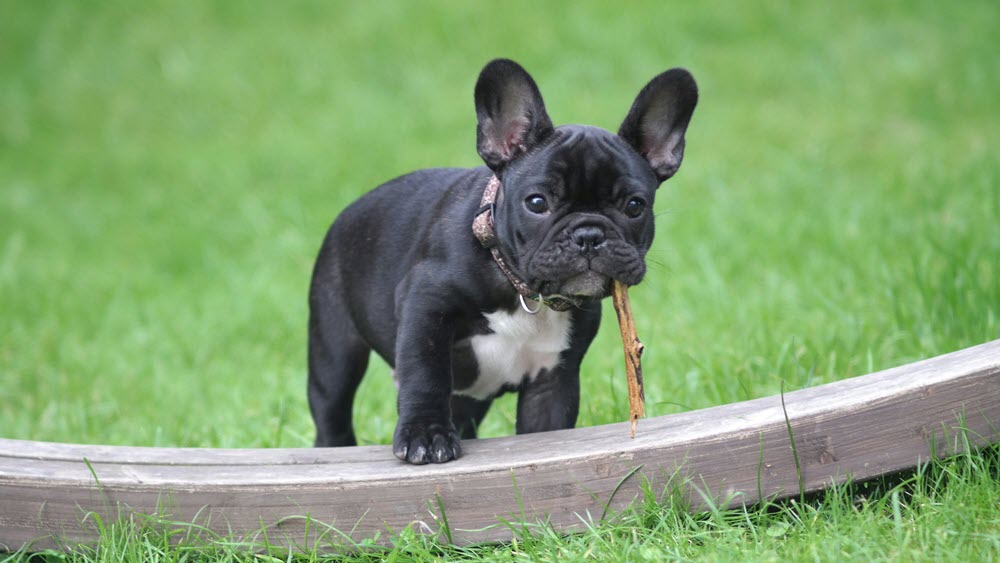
(401, 273)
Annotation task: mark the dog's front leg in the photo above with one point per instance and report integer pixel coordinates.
(425, 432)
(551, 401)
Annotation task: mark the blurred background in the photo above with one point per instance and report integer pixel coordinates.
(168, 171)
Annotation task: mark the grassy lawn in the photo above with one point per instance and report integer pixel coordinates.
(168, 170)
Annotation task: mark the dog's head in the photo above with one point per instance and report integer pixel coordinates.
(576, 209)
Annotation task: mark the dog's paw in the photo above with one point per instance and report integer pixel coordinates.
(421, 443)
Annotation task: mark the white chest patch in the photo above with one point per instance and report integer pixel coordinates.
(520, 347)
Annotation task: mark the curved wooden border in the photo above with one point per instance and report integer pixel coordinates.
(856, 428)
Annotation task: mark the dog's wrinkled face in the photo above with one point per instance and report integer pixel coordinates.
(577, 212)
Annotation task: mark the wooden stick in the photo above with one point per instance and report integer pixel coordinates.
(633, 354)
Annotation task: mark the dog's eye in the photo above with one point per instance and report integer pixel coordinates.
(635, 207)
(536, 203)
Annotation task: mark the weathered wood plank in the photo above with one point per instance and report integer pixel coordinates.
(860, 427)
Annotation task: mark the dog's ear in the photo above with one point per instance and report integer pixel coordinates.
(659, 117)
(510, 112)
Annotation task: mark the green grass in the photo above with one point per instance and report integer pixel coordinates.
(168, 170)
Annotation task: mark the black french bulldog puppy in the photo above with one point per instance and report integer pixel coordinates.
(464, 317)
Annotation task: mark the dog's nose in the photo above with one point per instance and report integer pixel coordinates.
(589, 237)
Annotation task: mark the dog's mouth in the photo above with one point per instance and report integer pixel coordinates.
(587, 278)
(587, 285)
(569, 268)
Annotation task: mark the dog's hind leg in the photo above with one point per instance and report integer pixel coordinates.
(338, 357)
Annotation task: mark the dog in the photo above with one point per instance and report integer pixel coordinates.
(471, 283)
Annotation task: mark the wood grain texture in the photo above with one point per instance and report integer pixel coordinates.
(736, 453)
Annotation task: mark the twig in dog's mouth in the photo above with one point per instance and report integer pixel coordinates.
(633, 348)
